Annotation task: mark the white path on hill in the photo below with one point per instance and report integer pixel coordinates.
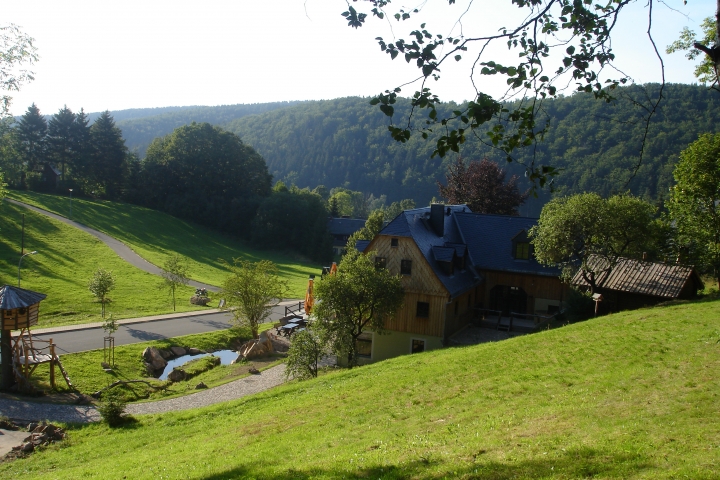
(123, 251)
(21, 410)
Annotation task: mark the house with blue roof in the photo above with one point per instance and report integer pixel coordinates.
(453, 264)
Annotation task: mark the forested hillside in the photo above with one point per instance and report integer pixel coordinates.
(140, 126)
(344, 142)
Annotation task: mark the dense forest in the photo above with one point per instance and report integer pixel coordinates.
(344, 142)
(141, 126)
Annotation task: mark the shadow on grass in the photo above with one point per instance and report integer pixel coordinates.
(576, 463)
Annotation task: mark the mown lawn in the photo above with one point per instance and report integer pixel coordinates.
(65, 262)
(632, 395)
(155, 236)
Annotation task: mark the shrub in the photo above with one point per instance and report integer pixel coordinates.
(112, 408)
(579, 306)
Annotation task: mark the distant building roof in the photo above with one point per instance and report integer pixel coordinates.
(16, 297)
(645, 278)
(361, 245)
(345, 226)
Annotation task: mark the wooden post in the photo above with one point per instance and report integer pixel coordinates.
(52, 364)
(8, 377)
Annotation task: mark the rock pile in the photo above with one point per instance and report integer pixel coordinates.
(267, 344)
(41, 435)
(156, 358)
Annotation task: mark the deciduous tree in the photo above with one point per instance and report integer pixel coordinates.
(175, 274)
(251, 291)
(482, 186)
(16, 50)
(102, 282)
(572, 229)
(694, 203)
(357, 298)
(304, 355)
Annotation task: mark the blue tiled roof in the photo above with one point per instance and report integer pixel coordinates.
(16, 297)
(361, 245)
(489, 240)
(443, 254)
(415, 224)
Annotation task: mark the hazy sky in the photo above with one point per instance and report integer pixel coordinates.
(152, 53)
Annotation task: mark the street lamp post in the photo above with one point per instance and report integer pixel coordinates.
(70, 203)
(20, 262)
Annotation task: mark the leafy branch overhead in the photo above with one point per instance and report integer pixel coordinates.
(560, 45)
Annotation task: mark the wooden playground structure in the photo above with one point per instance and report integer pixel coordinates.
(21, 355)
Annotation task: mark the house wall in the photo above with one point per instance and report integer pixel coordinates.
(394, 344)
(542, 291)
(422, 285)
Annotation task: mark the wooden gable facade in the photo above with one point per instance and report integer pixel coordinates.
(453, 262)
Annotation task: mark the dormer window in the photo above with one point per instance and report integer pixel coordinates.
(521, 248)
(522, 251)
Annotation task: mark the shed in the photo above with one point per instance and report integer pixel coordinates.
(632, 283)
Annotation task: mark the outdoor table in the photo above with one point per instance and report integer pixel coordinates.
(289, 328)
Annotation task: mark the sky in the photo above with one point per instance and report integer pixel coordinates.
(114, 55)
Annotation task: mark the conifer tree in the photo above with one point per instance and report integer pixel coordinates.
(31, 135)
(108, 154)
(60, 134)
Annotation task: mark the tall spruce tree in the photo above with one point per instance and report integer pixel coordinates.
(60, 139)
(82, 151)
(32, 142)
(108, 155)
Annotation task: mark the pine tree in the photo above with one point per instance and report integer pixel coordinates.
(31, 134)
(82, 151)
(108, 154)
(60, 135)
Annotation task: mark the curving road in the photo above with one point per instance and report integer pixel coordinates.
(123, 251)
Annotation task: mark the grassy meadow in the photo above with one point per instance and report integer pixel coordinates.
(631, 395)
(155, 236)
(65, 262)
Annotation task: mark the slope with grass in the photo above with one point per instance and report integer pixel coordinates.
(155, 236)
(632, 395)
(65, 262)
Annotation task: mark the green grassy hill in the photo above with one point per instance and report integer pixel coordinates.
(65, 262)
(155, 236)
(632, 395)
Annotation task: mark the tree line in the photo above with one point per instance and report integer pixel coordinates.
(65, 152)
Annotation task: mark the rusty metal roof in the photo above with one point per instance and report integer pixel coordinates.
(16, 297)
(645, 278)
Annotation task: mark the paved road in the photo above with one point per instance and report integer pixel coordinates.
(125, 252)
(79, 338)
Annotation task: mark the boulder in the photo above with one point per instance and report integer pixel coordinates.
(200, 386)
(178, 351)
(153, 357)
(254, 371)
(177, 375)
(195, 351)
(279, 344)
(165, 353)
